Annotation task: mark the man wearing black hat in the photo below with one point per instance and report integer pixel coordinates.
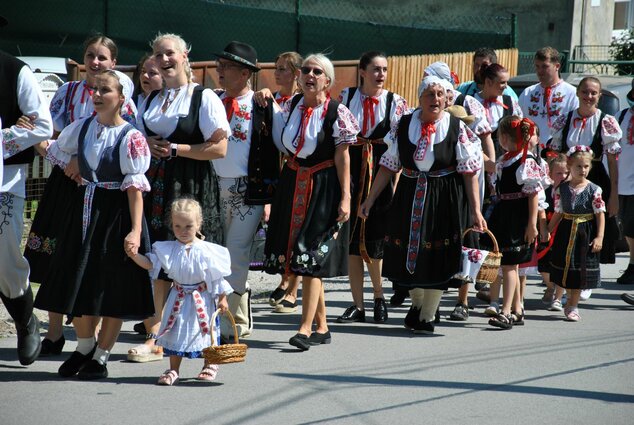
(626, 183)
(20, 94)
(247, 175)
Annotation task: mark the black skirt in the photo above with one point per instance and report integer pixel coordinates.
(53, 209)
(375, 223)
(445, 216)
(321, 246)
(583, 271)
(182, 177)
(598, 175)
(508, 224)
(95, 277)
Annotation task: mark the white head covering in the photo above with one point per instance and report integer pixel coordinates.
(440, 70)
(447, 85)
(127, 89)
(428, 82)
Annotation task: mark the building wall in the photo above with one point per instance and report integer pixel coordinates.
(592, 23)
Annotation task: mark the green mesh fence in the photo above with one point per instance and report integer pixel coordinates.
(344, 29)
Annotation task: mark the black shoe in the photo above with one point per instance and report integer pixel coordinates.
(352, 314)
(437, 315)
(627, 278)
(316, 338)
(411, 318)
(399, 297)
(26, 324)
(460, 313)
(423, 327)
(276, 296)
(29, 343)
(380, 310)
(91, 370)
(72, 365)
(300, 341)
(140, 328)
(50, 348)
(628, 298)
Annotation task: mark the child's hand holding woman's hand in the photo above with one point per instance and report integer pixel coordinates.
(131, 243)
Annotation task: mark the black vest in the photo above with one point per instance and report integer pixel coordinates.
(263, 167)
(444, 152)
(109, 168)
(9, 109)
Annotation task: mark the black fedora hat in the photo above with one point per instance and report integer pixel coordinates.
(242, 53)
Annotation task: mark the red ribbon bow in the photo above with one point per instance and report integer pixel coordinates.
(231, 106)
(369, 119)
(521, 143)
(487, 107)
(281, 99)
(307, 112)
(426, 131)
(581, 120)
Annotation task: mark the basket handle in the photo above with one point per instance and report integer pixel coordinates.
(213, 327)
(496, 248)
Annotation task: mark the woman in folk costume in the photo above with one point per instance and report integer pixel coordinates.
(438, 190)
(376, 110)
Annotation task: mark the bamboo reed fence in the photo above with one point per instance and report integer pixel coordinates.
(405, 72)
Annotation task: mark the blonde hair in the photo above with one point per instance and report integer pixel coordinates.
(326, 65)
(190, 207)
(181, 46)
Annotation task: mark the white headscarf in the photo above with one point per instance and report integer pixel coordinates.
(428, 82)
(440, 70)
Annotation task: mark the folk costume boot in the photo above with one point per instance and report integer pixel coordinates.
(26, 324)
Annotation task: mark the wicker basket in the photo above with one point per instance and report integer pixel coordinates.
(491, 264)
(226, 353)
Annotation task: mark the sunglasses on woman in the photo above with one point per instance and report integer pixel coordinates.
(316, 71)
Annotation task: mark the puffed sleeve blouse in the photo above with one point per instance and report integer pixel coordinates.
(468, 153)
(581, 132)
(287, 126)
(191, 264)
(134, 154)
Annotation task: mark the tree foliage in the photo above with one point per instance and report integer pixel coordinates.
(622, 49)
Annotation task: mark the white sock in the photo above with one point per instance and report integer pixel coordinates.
(431, 300)
(85, 345)
(101, 355)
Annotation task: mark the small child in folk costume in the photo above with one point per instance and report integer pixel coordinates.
(579, 212)
(514, 217)
(198, 269)
(557, 166)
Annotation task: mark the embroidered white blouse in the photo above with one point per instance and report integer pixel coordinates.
(236, 162)
(398, 108)
(529, 174)
(480, 126)
(192, 264)
(134, 154)
(563, 98)
(73, 101)
(286, 129)
(468, 152)
(495, 111)
(211, 114)
(582, 133)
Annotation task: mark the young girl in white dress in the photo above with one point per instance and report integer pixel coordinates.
(198, 269)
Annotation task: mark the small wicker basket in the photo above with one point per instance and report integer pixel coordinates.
(226, 353)
(489, 270)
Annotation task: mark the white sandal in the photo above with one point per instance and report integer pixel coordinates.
(169, 378)
(144, 353)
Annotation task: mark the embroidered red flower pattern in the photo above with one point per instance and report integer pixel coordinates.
(137, 146)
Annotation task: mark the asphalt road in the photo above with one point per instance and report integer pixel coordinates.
(547, 372)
